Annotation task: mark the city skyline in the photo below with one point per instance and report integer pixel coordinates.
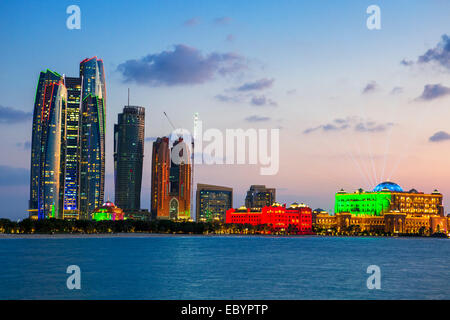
(354, 107)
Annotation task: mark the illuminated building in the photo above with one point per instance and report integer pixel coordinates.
(160, 179)
(171, 181)
(108, 211)
(47, 145)
(387, 209)
(72, 152)
(258, 196)
(318, 212)
(128, 157)
(278, 217)
(69, 133)
(92, 136)
(212, 202)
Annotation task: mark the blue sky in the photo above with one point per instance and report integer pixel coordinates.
(318, 55)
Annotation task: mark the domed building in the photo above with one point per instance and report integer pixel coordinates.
(108, 211)
(388, 186)
(388, 207)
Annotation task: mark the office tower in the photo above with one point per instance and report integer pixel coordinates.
(212, 202)
(160, 179)
(128, 157)
(258, 196)
(72, 153)
(171, 180)
(48, 145)
(180, 181)
(92, 136)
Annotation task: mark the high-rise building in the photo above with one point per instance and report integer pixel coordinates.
(212, 202)
(180, 181)
(171, 180)
(258, 196)
(92, 136)
(128, 157)
(68, 143)
(48, 146)
(72, 152)
(160, 179)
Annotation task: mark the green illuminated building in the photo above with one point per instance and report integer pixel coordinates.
(363, 203)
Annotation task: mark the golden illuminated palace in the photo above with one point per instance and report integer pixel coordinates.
(386, 209)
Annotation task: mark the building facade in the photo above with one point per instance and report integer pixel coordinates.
(298, 217)
(258, 196)
(129, 135)
(171, 180)
(212, 202)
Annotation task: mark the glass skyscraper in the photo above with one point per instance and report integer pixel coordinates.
(48, 146)
(92, 136)
(129, 133)
(72, 153)
(68, 143)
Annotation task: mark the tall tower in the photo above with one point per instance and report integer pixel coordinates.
(72, 152)
(160, 179)
(180, 182)
(92, 135)
(48, 147)
(128, 157)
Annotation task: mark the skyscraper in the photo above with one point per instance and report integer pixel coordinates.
(72, 152)
(92, 136)
(180, 181)
(48, 145)
(258, 196)
(128, 157)
(171, 180)
(212, 202)
(160, 179)
(68, 143)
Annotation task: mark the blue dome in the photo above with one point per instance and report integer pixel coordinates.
(391, 186)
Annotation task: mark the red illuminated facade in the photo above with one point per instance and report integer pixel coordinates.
(276, 216)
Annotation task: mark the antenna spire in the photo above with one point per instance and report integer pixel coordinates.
(128, 96)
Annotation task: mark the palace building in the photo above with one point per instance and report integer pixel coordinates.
(387, 209)
(275, 216)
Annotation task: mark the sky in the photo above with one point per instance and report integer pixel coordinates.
(354, 106)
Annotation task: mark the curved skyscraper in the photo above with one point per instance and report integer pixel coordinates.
(128, 157)
(68, 143)
(92, 136)
(48, 147)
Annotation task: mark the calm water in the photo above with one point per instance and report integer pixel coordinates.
(202, 267)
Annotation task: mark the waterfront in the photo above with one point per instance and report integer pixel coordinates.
(223, 267)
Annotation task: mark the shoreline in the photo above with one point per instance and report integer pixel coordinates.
(170, 235)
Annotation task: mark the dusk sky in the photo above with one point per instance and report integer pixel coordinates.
(354, 106)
